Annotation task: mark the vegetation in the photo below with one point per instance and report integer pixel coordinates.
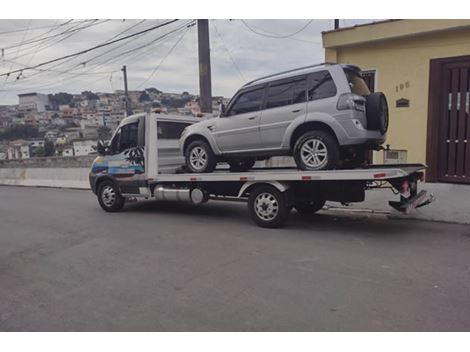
(90, 95)
(19, 132)
(104, 133)
(176, 102)
(144, 97)
(60, 98)
(49, 149)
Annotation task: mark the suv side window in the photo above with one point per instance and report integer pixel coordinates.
(321, 86)
(170, 130)
(247, 102)
(128, 136)
(286, 93)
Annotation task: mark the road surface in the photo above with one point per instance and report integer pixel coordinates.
(67, 265)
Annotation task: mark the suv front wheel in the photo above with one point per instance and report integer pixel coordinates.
(316, 150)
(199, 157)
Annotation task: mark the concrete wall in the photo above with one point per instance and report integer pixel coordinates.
(402, 70)
(69, 172)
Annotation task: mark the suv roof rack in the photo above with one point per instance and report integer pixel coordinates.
(289, 71)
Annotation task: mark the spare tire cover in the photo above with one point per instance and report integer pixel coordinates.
(377, 112)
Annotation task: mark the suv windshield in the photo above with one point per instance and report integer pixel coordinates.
(356, 83)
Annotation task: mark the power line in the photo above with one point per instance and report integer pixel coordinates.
(32, 40)
(11, 66)
(31, 29)
(82, 63)
(44, 45)
(90, 49)
(276, 36)
(133, 52)
(162, 60)
(228, 52)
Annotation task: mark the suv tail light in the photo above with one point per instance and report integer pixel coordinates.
(351, 101)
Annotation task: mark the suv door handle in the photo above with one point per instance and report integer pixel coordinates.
(252, 118)
(296, 110)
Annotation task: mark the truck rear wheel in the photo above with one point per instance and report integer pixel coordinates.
(109, 197)
(268, 207)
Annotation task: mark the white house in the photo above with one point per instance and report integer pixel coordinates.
(84, 146)
(34, 102)
(18, 149)
(67, 151)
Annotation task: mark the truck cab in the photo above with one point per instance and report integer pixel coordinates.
(122, 160)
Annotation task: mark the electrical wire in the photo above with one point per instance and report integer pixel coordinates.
(11, 66)
(277, 36)
(32, 40)
(163, 60)
(48, 42)
(82, 63)
(90, 49)
(228, 52)
(131, 51)
(21, 30)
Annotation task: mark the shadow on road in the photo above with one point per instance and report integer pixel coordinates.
(236, 214)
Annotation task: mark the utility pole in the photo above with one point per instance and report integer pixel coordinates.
(337, 24)
(126, 93)
(205, 85)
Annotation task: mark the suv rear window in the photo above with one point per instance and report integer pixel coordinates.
(356, 83)
(321, 86)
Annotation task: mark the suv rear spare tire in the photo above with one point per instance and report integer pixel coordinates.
(377, 112)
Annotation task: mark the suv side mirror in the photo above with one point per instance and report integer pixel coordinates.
(102, 148)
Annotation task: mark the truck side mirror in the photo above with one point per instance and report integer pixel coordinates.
(102, 148)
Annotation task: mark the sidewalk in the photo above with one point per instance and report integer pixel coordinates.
(451, 204)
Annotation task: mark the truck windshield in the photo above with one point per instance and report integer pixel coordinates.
(356, 83)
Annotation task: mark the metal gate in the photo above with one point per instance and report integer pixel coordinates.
(453, 121)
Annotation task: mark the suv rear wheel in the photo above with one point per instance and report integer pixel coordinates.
(316, 150)
(199, 157)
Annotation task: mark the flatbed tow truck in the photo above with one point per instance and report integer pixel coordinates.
(271, 193)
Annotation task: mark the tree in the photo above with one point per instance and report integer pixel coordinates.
(104, 133)
(39, 152)
(153, 90)
(90, 95)
(60, 98)
(19, 132)
(49, 149)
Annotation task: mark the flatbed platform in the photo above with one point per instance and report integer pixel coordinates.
(371, 173)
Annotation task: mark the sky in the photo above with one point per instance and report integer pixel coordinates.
(241, 50)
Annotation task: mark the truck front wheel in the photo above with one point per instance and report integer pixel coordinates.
(268, 207)
(109, 197)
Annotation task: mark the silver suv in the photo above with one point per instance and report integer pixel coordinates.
(323, 115)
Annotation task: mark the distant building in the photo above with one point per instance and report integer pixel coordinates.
(18, 149)
(84, 146)
(34, 102)
(67, 151)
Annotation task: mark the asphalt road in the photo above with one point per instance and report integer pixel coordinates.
(67, 265)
